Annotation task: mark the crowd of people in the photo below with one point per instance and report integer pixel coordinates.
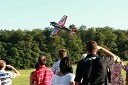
(92, 69)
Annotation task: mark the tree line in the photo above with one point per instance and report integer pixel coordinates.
(21, 48)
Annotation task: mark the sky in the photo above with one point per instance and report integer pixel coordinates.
(32, 14)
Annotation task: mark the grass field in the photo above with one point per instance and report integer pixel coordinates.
(24, 78)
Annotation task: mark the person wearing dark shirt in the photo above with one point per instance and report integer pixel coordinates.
(92, 70)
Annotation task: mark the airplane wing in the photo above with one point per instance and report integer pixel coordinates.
(55, 32)
(63, 20)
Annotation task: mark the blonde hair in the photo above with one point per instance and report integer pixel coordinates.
(62, 53)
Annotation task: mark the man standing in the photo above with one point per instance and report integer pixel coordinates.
(92, 70)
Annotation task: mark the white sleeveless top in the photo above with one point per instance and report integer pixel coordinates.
(63, 80)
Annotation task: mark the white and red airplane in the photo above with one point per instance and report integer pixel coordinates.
(60, 26)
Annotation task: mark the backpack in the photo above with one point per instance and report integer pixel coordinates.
(90, 65)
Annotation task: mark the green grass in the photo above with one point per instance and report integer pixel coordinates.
(24, 78)
(123, 72)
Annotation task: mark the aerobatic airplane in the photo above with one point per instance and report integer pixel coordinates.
(60, 26)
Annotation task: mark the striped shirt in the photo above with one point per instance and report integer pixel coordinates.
(6, 77)
(43, 76)
(56, 67)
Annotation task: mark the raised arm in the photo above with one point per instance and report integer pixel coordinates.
(108, 53)
(15, 70)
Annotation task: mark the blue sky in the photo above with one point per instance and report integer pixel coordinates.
(31, 14)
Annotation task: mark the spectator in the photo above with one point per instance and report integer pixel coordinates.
(65, 76)
(43, 75)
(116, 77)
(93, 68)
(55, 67)
(6, 76)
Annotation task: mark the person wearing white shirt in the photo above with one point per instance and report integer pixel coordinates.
(65, 76)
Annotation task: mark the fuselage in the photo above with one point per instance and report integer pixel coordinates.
(56, 25)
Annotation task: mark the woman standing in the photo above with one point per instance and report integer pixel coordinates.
(43, 75)
(65, 76)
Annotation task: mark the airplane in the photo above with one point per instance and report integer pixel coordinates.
(60, 26)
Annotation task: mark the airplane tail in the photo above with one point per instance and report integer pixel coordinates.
(73, 31)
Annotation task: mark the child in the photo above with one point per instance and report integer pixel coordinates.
(6, 77)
